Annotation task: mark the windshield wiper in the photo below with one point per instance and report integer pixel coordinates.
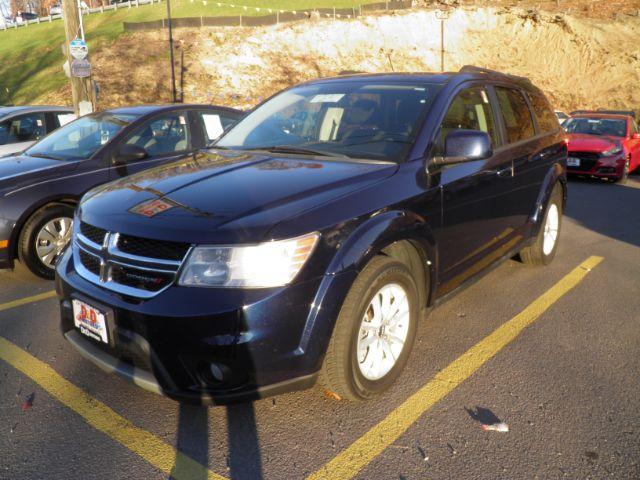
(294, 149)
(42, 155)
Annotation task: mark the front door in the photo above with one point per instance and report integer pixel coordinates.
(165, 137)
(474, 194)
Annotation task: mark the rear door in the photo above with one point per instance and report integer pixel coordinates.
(530, 140)
(474, 194)
(165, 137)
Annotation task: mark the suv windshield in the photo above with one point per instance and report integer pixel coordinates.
(82, 138)
(596, 126)
(360, 120)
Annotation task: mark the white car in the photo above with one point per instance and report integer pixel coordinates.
(55, 10)
(21, 127)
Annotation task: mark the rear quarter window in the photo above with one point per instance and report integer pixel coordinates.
(546, 118)
(516, 114)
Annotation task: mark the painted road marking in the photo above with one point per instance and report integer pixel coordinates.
(359, 454)
(27, 300)
(158, 453)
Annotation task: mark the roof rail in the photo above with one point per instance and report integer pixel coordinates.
(631, 113)
(474, 69)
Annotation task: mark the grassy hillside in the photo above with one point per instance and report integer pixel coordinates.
(31, 57)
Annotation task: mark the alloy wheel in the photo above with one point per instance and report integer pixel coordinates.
(551, 228)
(383, 331)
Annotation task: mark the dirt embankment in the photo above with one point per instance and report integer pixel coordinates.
(580, 62)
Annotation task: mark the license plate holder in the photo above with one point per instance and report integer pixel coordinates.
(573, 162)
(93, 321)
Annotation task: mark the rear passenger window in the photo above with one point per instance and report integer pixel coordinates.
(516, 114)
(214, 124)
(547, 120)
(470, 110)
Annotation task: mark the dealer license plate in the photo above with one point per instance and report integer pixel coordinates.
(573, 162)
(90, 321)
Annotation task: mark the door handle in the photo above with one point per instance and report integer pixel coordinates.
(505, 171)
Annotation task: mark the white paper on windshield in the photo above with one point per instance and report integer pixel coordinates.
(327, 98)
(213, 125)
(65, 118)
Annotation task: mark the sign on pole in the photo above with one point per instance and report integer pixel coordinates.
(78, 49)
(81, 68)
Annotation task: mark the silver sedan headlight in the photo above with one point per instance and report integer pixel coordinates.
(269, 264)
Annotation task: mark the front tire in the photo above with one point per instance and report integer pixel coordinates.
(544, 248)
(622, 179)
(374, 332)
(44, 238)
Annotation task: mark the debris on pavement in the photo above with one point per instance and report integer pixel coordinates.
(496, 427)
(332, 395)
(28, 402)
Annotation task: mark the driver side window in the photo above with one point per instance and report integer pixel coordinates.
(163, 135)
(470, 110)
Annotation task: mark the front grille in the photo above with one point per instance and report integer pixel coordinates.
(144, 247)
(90, 262)
(588, 160)
(132, 266)
(149, 281)
(95, 234)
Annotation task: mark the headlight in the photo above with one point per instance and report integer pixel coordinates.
(612, 151)
(270, 264)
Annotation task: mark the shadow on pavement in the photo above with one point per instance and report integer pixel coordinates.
(193, 441)
(244, 448)
(483, 415)
(590, 203)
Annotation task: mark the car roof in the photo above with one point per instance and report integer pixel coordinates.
(612, 116)
(149, 109)
(4, 111)
(466, 73)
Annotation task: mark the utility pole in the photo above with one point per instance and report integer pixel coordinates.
(81, 88)
(173, 68)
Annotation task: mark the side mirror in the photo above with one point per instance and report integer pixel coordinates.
(635, 136)
(129, 153)
(462, 146)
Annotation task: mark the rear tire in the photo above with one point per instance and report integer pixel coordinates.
(544, 248)
(44, 237)
(364, 359)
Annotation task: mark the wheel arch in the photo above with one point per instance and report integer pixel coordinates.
(402, 235)
(555, 175)
(29, 213)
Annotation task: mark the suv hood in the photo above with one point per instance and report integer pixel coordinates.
(579, 142)
(224, 196)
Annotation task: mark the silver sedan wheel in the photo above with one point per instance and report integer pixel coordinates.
(52, 238)
(383, 331)
(551, 228)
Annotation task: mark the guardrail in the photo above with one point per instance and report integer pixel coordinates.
(85, 11)
(280, 16)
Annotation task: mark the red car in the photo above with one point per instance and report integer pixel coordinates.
(603, 144)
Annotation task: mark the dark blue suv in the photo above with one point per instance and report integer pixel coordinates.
(313, 237)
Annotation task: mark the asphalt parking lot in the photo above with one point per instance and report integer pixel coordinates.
(553, 352)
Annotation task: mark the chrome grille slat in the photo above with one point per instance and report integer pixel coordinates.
(124, 272)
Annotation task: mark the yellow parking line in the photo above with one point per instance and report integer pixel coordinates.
(158, 453)
(26, 300)
(355, 457)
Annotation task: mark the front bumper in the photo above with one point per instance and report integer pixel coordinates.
(599, 167)
(266, 341)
